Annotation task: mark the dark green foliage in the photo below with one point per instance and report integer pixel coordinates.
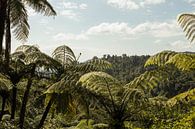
(126, 68)
(58, 94)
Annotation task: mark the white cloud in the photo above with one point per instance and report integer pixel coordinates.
(190, 1)
(154, 29)
(68, 37)
(180, 44)
(158, 41)
(159, 30)
(72, 5)
(70, 14)
(71, 10)
(83, 6)
(44, 22)
(152, 2)
(128, 4)
(133, 4)
(109, 28)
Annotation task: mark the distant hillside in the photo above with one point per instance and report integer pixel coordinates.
(126, 68)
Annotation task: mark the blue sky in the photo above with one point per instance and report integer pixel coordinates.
(97, 27)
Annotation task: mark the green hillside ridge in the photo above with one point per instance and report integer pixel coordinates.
(108, 93)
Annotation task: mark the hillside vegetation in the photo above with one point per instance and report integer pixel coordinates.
(114, 92)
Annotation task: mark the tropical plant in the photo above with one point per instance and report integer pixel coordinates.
(16, 18)
(36, 60)
(121, 104)
(66, 85)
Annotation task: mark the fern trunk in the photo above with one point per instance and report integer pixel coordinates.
(2, 107)
(24, 102)
(8, 37)
(45, 113)
(3, 4)
(117, 125)
(13, 107)
(25, 97)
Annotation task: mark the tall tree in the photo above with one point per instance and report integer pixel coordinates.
(16, 18)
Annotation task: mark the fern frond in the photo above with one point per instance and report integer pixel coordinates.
(64, 55)
(187, 22)
(45, 65)
(183, 61)
(101, 84)
(27, 49)
(63, 92)
(92, 65)
(149, 80)
(41, 6)
(19, 20)
(160, 59)
(188, 96)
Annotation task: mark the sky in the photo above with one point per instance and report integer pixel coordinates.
(115, 27)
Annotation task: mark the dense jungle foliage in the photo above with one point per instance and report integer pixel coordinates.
(126, 68)
(59, 92)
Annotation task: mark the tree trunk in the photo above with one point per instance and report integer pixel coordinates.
(13, 108)
(45, 113)
(3, 4)
(25, 97)
(2, 107)
(24, 102)
(8, 37)
(116, 123)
